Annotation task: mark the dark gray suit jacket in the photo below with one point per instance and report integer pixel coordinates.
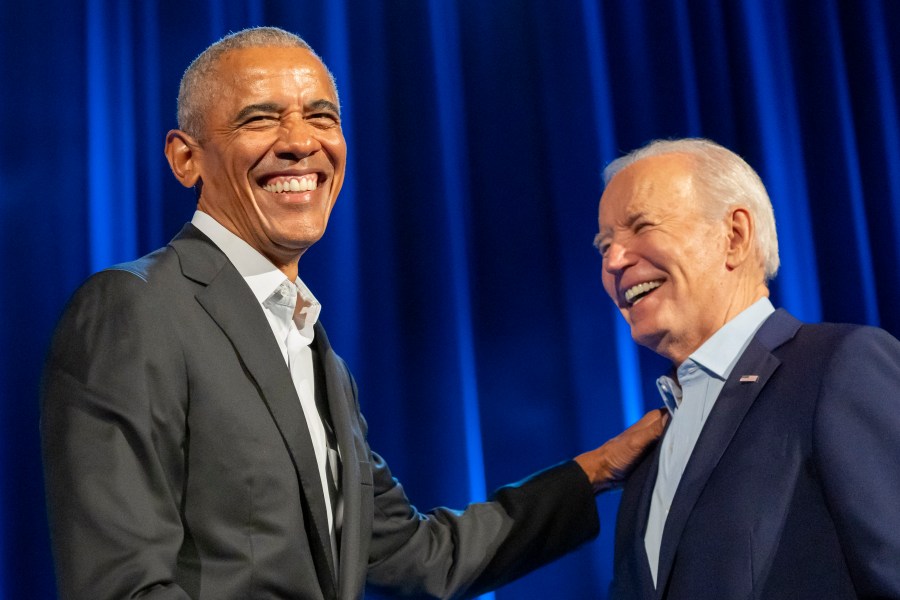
(179, 465)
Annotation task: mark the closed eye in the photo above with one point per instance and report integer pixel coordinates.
(640, 226)
(259, 123)
(263, 111)
(324, 119)
(601, 244)
(259, 119)
(323, 113)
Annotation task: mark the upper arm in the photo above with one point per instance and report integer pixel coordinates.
(857, 445)
(110, 439)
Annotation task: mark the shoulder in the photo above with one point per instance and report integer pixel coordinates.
(121, 301)
(844, 341)
(141, 282)
(850, 364)
(190, 253)
(821, 342)
(154, 268)
(147, 267)
(857, 413)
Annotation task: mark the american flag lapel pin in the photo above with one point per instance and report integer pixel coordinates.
(749, 378)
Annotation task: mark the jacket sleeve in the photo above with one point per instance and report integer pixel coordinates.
(460, 554)
(553, 512)
(857, 445)
(112, 472)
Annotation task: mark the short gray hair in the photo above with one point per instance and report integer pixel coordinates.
(198, 88)
(724, 180)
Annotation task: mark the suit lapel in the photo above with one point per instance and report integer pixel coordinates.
(230, 303)
(732, 405)
(340, 398)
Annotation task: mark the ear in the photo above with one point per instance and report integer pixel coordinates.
(181, 152)
(740, 236)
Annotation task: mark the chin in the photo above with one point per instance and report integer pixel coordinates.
(647, 338)
(303, 242)
(300, 230)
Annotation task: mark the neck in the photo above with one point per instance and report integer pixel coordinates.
(290, 269)
(678, 351)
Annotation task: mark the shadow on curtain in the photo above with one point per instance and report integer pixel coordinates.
(457, 276)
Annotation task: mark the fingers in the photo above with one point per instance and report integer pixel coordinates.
(647, 429)
(613, 461)
(654, 421)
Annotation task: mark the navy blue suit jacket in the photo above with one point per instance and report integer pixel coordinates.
(793, 488)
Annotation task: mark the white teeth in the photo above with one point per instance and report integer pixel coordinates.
(307, 183)
(640, 289)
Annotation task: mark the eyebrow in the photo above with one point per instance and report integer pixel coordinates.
(605, 232)
(634, 216)
(324, 104)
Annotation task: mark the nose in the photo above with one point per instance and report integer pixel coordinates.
(617, 258)
(296, 139)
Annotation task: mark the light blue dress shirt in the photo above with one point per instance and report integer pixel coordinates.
(701, 377)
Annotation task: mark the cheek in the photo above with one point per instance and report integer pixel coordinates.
(609, 284)
(338, 151)
(251, 150)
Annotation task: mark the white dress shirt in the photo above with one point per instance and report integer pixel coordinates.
(701, 377)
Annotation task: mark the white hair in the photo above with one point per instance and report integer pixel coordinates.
(723, 180)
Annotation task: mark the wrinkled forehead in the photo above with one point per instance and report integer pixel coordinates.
(248, 69)
(653, 185)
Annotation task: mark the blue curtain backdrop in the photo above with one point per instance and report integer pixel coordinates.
(457, 275)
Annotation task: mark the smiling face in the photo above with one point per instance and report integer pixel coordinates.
(669, 267)
(272, 155)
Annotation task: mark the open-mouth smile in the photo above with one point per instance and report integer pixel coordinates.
(636, 293)
(293, 184)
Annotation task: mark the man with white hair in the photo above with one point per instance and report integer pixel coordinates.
(778, 475)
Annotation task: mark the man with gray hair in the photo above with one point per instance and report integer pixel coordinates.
(202, 440)
(778, 475)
